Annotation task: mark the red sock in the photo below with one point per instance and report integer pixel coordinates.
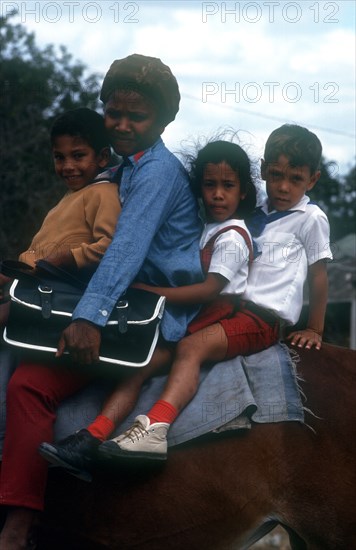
(102, 427)
(162, 411)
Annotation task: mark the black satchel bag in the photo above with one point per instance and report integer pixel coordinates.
(42, 302)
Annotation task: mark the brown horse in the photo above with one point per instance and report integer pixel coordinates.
(228, 491)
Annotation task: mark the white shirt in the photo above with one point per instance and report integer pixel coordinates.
(230, 255)
(288, 247)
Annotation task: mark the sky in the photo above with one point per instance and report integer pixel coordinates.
(244, 66)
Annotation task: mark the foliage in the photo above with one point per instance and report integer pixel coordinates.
(336, 196)
(36, 85)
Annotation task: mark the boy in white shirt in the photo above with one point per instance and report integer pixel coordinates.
(295, 241)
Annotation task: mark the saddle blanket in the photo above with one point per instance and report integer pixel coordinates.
(261, 388)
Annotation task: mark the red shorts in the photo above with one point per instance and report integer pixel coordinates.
(246, 331)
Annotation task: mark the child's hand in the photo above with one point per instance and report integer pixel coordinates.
(305, 338)
(4, 313)
(64, 259)
(4, 300)
(4, 281)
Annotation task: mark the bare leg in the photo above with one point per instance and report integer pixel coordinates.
(16, 532)
(124, 397)
(209, 344)
(147, 437)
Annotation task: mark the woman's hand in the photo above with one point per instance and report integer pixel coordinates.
(82, 339)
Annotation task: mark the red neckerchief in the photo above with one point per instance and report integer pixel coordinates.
(137, 156)
(126, 162)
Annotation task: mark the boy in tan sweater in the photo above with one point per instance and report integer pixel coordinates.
(78, 230)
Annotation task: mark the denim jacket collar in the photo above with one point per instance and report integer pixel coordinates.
(132, 160)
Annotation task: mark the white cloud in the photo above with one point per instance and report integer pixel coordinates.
(312, 62)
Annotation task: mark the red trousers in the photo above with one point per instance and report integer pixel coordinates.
(33, 396)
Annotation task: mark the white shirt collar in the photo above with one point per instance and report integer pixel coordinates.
(301, 205)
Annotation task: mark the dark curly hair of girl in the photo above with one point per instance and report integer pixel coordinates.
(231, 153)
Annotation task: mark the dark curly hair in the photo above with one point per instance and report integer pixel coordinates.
(84, 123)
(231, 153)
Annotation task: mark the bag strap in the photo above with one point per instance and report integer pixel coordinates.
(20, 270)
(207, 251)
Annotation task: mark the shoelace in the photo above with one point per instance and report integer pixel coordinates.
(137, 430)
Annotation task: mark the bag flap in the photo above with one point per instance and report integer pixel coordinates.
(64, 297)
(140, 306)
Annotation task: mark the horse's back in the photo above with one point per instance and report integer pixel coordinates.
(217, 492)
(317, 491)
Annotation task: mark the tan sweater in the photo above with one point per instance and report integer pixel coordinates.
(83, 221)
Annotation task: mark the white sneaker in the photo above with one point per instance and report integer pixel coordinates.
(141, 440)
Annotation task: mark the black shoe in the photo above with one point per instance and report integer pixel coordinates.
(75, 453)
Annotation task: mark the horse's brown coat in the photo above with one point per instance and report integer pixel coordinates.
(216, 493)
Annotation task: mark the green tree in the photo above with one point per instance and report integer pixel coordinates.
(36, 85)
(336, 195)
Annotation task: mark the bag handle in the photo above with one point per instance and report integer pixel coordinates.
(61, 274)
(20, 270)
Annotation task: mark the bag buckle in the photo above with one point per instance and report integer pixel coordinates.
(122, 311)
(45, 295)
